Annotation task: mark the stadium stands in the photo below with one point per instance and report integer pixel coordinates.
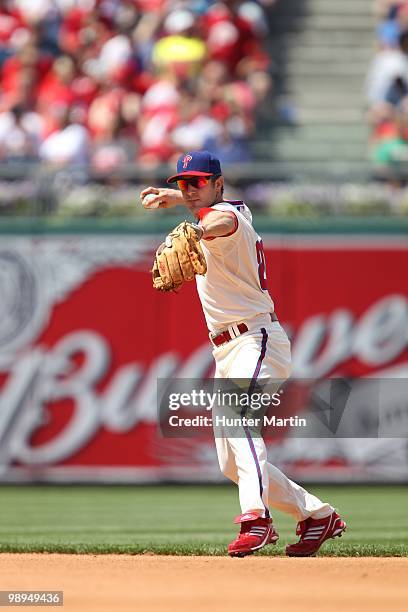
(110, 82)
(320, 52)
(387, 92)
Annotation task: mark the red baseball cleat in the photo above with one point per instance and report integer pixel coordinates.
(313, 532)
(255, 533)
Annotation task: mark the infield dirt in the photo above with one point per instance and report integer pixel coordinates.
(163, 583)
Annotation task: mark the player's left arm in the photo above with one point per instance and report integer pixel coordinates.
(217, 223)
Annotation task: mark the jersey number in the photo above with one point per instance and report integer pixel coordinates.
(260, 256)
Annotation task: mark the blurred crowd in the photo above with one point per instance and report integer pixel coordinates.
(112, 82)
(387, 89)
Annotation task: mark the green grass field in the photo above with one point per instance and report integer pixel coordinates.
(184, 520)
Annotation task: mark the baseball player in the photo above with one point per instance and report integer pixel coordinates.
(248, 343)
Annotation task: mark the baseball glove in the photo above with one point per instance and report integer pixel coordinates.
(179, 258)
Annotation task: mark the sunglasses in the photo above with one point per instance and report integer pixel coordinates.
(197, 182)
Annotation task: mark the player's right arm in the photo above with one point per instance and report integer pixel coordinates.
(165, 197)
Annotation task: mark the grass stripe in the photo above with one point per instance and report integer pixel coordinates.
(184, 520)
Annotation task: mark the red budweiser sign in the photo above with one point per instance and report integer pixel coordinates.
(84, 337)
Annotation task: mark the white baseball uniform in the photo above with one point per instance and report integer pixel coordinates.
(233, 291)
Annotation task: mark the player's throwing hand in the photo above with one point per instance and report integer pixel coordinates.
(154, 197)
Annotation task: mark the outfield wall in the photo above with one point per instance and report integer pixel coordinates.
(83, 338)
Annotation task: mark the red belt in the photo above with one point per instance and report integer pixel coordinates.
(225, 336)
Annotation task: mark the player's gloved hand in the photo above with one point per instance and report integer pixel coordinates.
(179, 258)
(197, 228)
